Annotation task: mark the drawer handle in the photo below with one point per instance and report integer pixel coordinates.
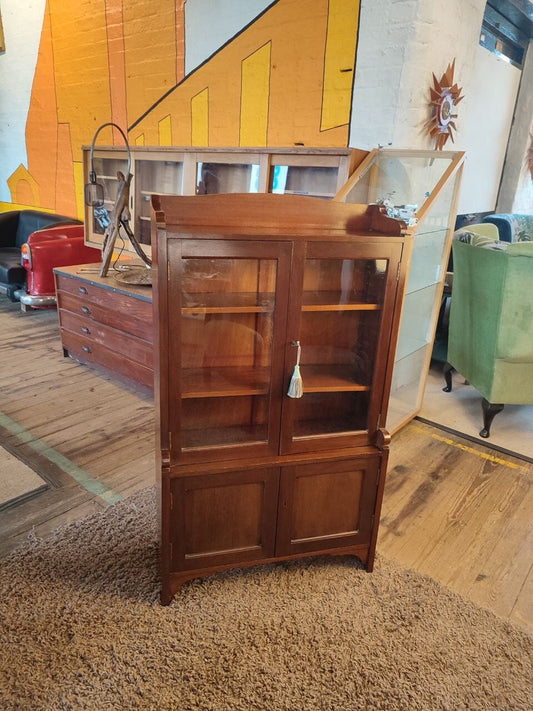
(87, 349)
(84, 329)
(82, 290)
(85, 310)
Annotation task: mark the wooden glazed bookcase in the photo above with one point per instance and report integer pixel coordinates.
(247, 473)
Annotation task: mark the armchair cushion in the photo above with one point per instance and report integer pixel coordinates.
(512, 227)
(11, 270)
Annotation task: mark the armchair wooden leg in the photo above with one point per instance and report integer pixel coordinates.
(447, 372)
(490, 410)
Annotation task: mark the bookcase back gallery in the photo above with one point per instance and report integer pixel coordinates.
(249, 289)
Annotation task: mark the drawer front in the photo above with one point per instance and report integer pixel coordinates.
(94, 353)
(125, 314)
(97, 293)
(92, 332)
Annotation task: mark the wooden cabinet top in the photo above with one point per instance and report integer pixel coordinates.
(88, 273)
(310, 218)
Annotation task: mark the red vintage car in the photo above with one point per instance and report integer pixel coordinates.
(58, 246)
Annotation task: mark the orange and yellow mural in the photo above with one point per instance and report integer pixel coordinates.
(284, 79)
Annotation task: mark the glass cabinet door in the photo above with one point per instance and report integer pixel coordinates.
(106, 168)
(315, 181)
(162, 177)
(220, 177)
(341, 326)
(227, 361)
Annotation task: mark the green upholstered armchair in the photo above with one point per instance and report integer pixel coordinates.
(490, 339)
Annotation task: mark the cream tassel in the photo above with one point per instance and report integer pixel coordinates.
(296, 387)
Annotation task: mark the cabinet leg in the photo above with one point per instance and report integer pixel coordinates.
(447, 372)
(166, 594)
(490, 410)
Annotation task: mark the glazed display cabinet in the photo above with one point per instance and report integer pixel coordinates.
(318, 172)
(276, 319)
(424, 184)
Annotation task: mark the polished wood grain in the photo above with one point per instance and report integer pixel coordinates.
(457, 511)
(105, 324)
(339, 295)
(461, 513)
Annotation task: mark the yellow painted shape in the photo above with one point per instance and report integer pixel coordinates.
(150, 54)
(8, 206)
(472, 450)
(79, 183)
(139, 140)
(339, 63)
(255, 91)
(297, 31)
(23, 187)
(200, 119)
(165, 131)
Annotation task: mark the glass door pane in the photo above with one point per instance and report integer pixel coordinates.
(212, 177)
(316, 181)
(227, 353)
(340, 322)
(160, 177)
(107, 169)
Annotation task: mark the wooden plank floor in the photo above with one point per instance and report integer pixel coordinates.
(453, 510)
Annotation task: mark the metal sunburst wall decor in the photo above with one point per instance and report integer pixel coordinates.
(445, 95)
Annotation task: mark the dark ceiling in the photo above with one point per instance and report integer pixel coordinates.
(516, 17)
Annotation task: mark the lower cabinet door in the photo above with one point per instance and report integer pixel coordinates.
(223, 519)
(325, 505)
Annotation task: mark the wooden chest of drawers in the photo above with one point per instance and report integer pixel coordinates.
(105, 323)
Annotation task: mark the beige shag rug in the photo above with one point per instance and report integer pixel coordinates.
(82, 628)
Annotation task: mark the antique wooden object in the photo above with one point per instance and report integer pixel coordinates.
(106, 324)
(244, 283)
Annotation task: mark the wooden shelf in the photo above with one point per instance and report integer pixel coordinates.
(233, 382)
(223, 436)
(224, 382)
(313, 428)
(331, 301)
(230, 302)
(329, 378)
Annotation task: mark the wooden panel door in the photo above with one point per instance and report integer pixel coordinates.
(226, 350)
(342, 305)
(326, 505)
(224, 518)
